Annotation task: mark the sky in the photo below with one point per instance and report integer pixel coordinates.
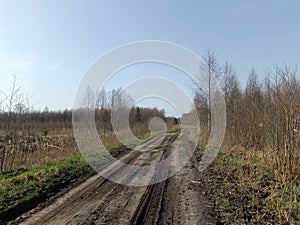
(49, 45)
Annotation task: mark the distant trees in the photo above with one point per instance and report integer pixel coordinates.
(112, 109)
(88, 100)
(18, 118)
(138, 115)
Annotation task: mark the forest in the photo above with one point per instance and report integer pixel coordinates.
(259, 161)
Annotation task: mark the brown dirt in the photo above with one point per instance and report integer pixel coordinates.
(178, 200)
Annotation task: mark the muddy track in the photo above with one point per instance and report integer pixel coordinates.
(177, 200)
(149, 208)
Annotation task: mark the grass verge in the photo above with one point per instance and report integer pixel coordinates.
(248, 192)
(19, 187)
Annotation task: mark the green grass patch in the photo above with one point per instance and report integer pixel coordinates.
(21, 185)
(174, 130)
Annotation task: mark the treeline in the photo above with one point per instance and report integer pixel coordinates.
(117, 103)
(60, 122)
(18, 116)
(264, 115)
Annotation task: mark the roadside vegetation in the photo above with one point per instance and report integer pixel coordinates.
(21, 186)
(247, 191)
(255, 179)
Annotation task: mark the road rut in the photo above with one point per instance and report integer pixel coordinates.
(177, 200)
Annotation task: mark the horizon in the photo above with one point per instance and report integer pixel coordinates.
(50, 54)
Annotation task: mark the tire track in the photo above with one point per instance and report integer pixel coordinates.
(151, 203)
(89, 201)
(99, 201)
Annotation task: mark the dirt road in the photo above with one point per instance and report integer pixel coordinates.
(177, 200)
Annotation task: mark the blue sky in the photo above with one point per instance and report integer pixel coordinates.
(50, 44)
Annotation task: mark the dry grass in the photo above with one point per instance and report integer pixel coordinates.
(21, 151)
(250, 189)
(32, 151)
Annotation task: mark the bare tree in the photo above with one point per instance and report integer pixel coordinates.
(213, 74)
(253, 111)
(88, 100)
(233, 95)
